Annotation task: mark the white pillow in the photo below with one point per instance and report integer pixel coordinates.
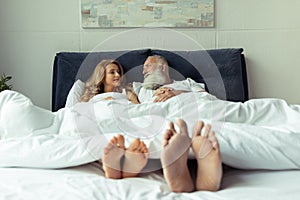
(75, 93)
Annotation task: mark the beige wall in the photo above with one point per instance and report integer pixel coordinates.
(32, 31)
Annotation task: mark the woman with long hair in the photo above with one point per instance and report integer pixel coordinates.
(108, 77)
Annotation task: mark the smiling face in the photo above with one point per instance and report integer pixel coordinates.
(150, 66)
(112, 77)
(155, 71)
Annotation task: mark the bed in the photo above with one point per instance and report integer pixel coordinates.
(87, 181)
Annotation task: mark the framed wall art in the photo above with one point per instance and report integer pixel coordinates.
(147, 13)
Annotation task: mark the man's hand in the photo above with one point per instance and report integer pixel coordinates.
(162, 90)
(165, 93)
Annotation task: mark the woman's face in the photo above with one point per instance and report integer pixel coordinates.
(112, 77)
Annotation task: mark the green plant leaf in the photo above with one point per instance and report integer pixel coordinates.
(3, 84)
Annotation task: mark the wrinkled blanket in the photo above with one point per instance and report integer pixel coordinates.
(258, 134)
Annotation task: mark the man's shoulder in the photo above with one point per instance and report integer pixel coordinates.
(184, 82)
(187, 84)
(188, 81)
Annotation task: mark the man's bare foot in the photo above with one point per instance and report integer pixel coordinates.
(207, 153)
(111, 157)
(174, 158)
(136, 158)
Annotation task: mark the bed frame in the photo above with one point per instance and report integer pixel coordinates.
(222, 70)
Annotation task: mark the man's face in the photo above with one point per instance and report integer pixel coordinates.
(150, 66)
(153, 74)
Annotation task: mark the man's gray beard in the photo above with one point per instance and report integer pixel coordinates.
(154, 80)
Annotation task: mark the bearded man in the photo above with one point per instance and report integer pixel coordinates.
(158, 86)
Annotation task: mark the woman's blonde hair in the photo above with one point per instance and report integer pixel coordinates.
(94, 85)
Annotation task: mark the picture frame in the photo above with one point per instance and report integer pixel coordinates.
(147, 13)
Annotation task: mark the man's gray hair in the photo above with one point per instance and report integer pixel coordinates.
(160, 59)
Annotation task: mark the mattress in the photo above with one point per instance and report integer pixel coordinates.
(88, 182)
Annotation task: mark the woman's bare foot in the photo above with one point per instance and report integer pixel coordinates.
(111, 157)
(136, 158)
(174, 158)
(207, 153)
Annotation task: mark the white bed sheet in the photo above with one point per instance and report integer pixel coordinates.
(264, 134)
(88, 182)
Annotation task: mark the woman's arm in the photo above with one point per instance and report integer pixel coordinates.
(131, 95)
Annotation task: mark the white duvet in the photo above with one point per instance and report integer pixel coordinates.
(259, 134)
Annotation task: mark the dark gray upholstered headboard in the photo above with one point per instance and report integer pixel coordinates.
(222, 70)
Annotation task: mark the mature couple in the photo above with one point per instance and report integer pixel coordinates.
(121, 162)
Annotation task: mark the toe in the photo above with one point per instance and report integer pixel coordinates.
(213, 139)
(121, 141)
(198, 128)
(182, 126)
(207, 130)
(143, 148)
(134, 145)
(167, 136)
(171, 127)
(114, 140)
